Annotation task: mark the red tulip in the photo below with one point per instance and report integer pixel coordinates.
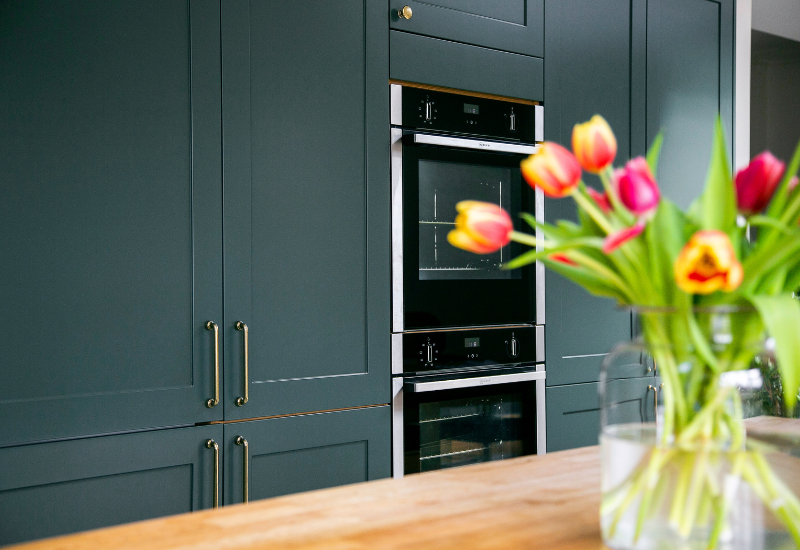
(552, 169)
(594, 144)
(481, 227)
(562, 258)
(756, 183)
(600, 198)
(615, 240)
(708, 263)
(636, 186)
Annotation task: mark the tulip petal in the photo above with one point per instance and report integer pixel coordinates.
(615, 240)
(708, 263)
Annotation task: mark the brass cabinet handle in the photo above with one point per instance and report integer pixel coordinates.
(242, 400)
(211, 444)
(210, 325)
(655, 400)
(243, 442)
(405, 12)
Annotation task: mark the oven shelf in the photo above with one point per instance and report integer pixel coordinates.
(449, 418)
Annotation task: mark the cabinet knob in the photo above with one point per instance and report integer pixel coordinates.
(405, 12)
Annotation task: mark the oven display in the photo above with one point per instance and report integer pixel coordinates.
(471, 109)
(472, 342)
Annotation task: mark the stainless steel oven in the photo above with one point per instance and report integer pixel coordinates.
(467, 336)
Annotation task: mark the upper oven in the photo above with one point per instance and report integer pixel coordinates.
(447, 148)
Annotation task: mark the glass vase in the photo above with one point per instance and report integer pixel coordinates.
(704, 453)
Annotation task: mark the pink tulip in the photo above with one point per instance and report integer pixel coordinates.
(756, 183)
(481, 227)
(600, 198)
(562, 258)
(615, 240)
(636, 186)
(552, 169)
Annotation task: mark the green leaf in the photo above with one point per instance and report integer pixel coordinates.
(533, 255)
(665, 237)
(593, 283)
(718, 201)
(778, 202)
(793, 280)
(654, 153)
(781, 317)
(773, 223)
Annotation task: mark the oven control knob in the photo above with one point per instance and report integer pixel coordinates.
(428, 111)
(513, 347)
(430, 353)
(512, 122)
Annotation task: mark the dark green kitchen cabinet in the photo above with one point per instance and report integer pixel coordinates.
(111, 215)
(278, 456)
(305, 109)
(689, 67)
(61, 487)
(588, 71)
(509, 25)
(573, 411)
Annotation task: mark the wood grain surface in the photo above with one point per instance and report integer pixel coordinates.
(548, 502)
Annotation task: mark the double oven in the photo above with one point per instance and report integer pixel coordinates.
(468, 372)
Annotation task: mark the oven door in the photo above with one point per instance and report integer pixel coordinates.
(454, 421)
(443, 286)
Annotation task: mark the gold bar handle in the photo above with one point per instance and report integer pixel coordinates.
(211, 444)
(655, 403)
(242, 400)
(245, 477)
(210, 325)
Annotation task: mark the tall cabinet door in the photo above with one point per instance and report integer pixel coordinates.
(587, 72)
(689, 80)
(62, 487)
(110, 211)
(306, 215)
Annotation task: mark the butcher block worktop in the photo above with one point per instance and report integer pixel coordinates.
(546, 501)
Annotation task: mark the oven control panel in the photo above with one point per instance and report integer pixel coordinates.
(471, 348)
(461, 114)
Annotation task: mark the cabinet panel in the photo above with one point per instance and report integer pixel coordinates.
(110, 214)
(62, 487)
(689, 81)
(587, 72)
(306, 154)
(510, 25)
(437, 62)
(573, 412)
(307, 452)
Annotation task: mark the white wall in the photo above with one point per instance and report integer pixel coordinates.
(778, 17)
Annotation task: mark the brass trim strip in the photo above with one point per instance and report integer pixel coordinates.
(463, 92)
(296, 414)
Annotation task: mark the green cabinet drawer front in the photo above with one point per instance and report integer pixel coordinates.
(416, 58)
(689, 81)
(588, 72)
(306, 159)
(307, 452)
(110, 211)
(573, 412)
(510, 25)
(62, 487)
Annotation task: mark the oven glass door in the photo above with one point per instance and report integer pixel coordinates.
(448, 428)
(445, 286)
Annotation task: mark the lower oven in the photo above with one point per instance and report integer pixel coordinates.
(467, 396)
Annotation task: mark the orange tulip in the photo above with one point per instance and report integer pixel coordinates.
(552, 169)
(594, 144)
(481, 227)
(708, 263)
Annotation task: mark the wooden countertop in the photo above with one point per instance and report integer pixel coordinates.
(548, 502)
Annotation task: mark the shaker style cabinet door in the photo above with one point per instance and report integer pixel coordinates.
(306, 452)
(510, 25)
(306, 216)
(51, 489)
(587, 73)
(110, 211)
(689, 80)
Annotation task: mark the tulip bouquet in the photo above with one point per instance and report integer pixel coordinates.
(635, 246)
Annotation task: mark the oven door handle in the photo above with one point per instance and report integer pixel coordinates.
(464, 143)
(473, 382)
